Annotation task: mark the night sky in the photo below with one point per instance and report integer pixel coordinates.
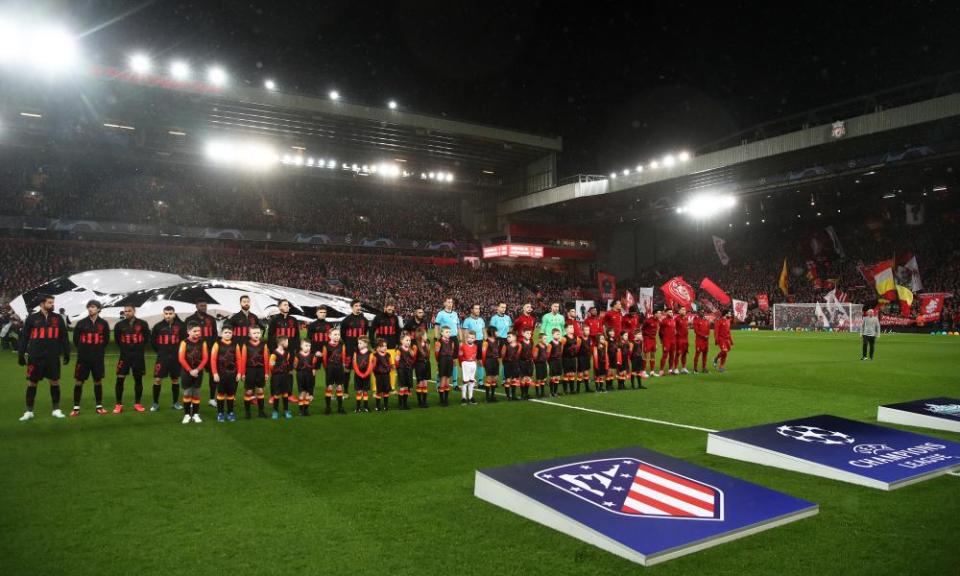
(619, 82)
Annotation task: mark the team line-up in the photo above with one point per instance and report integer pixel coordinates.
(609, 349)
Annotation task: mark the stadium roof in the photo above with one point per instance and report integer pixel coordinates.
(158, 108)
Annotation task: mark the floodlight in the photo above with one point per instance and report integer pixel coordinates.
(217, 76)
(180, 70)
(140, 63)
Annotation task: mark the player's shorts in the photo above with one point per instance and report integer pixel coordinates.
(306, 381)
(87, 367)
(511, 370)
(702, 344)
(363, 384)
(423, 372)
(336, 376)
(404, 377)
(491, 368)
(128, 364)
(667, 345)
(569, 365)
(636, 364)
(649, 346)
(540, 370)
(382, 383)
(468, 371)
(227, 384)
(44, 367)
(724, 346)
(583, 364)
(190, 382)
(253, 380)
(167, 367)
(556, 366)
(526, 369)
(280, 384)
(445, 366)
(681, 346)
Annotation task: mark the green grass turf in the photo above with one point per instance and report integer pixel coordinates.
(392, 493)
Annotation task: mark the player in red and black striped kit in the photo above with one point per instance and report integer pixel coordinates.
(165, 337)
(383, 368)
(131, 334)
(318, 332)
(406, 364)
(243, 321)
(225, 357)
(90, 337)
(283, 325)
(336, 365)
(254, 371)
(208, 333)
(490, 358)
(353, 327)
(193, 357)
(43, 340)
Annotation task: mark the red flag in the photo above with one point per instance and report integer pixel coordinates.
(763, 302)
(722, 297)
(676, 290)
(931, 304)
(607, 285)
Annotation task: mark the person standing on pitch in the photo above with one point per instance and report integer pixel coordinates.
(131, 335)
(208, 332)
(553, 320)
(448, 318)
(723, 339)
(193, 357)
(869, 333)
(701, 332)
(243, 321)
(467, 356)
(43, 340)
(225, 359)
(476, 323)
(682, 342)
(166, 336)
(502, 322)
(90, 337)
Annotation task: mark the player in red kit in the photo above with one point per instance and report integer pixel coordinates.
(682, 342)
(592, 321)
(467, 356)
(668, 336)
(701, 332)
(631, 321)
(613, 320)
(649, 328)
(723, 339)
(525, 321)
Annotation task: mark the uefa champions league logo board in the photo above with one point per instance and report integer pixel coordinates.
(937, 413)
(637, 503)
(840, 449)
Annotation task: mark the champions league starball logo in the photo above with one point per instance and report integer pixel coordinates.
(815, 435)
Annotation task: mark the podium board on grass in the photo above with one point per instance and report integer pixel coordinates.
(936, 413)
(840, 449)
(637, 503)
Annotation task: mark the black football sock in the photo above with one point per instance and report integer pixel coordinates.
(327, 401)
(339, 403)
(286, 403)
(98, 394)
(187, 407)
(77, 395)
(137, 388)
(386, 402)
(230, 406)
(219, 405)
(156, 393)
(366, 403)
(175, 391)
(276, 404)
(119, 390)
(246, 407)
(31, 397)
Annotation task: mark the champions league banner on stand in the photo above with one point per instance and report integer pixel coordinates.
(937, 413)
(840, 449)
(637, 503)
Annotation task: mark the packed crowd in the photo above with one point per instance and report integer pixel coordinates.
(409, 281)
(190, 196)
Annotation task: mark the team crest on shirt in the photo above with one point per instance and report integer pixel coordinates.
(137, 328)
(631, 487)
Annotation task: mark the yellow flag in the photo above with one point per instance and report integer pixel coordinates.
(784, 286)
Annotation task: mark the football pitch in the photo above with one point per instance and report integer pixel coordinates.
(393, 493)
